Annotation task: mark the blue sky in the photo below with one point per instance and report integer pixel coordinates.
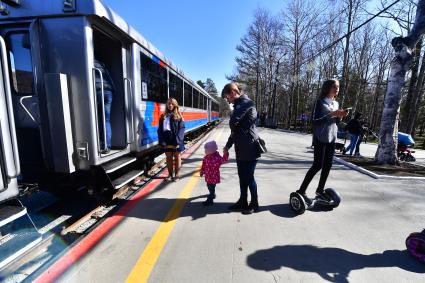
(198, 36)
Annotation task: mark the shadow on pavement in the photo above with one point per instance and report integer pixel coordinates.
(157, 208)
(332, 264)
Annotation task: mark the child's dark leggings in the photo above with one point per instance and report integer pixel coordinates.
(211, 189)
(323, 157)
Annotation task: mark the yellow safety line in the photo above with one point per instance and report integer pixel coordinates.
(146, 262)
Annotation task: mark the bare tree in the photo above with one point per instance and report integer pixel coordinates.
(352, 12)
(386, 152)
(301, 23)
(256, 61)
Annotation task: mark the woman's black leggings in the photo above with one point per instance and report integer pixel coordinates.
(323, 157)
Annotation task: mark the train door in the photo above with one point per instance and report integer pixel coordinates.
(9, 157)
(25, 100)
(113, 87)
(17, 231)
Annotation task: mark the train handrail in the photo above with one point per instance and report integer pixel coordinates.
(9, 106)
(2, 189)
(103, 109)
(131, 109)
(25, 108)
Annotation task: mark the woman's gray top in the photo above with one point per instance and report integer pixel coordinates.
(324, 126)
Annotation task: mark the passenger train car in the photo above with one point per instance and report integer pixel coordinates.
(50, 122)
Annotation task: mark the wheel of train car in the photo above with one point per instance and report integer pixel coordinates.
(297, 203)
(335, 197)
(98, 193)
(415, 244)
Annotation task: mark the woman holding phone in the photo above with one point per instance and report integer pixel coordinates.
(325, 118)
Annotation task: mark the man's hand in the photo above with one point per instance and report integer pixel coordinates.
(225, 151)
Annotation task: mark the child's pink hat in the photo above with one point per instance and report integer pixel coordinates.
(210, 147)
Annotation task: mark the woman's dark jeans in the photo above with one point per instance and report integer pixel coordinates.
(246, 180)
(323, 157)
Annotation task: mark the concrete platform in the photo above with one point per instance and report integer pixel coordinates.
(360, 241)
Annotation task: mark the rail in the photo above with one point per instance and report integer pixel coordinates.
(131, 103)
(102, 103)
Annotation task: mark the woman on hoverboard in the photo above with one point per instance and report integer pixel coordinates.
(325, 118)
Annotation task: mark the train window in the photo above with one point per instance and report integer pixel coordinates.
(205, 103)
(154, 80)
(201, 101)
(176, 88)
(20, 63)
(187, 95)
(196, 95)
(214, 107)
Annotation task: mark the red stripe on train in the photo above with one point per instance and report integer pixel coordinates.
(187, 116)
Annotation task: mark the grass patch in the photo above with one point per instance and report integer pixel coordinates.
(404, 169)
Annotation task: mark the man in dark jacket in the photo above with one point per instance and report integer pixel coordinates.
(243, 135)
(354, 128)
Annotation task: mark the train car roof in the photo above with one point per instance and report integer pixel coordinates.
(52, 8)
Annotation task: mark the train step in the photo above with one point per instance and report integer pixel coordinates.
(126, 178)
(9, 213)
(17, 232)
(117, 164)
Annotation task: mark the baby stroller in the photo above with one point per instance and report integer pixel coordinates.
(404, 153)
(415, 244)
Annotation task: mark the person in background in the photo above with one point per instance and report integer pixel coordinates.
(362, 137)
(355, 129)
(211, 169)
(108, 87)
(171, 137)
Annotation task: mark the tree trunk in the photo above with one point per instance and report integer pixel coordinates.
(415, 102)
(405, 124)
(257, 81)
(387, 148)
(386, 153)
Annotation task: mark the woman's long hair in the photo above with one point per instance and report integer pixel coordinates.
(176, 112)
(326, 87)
